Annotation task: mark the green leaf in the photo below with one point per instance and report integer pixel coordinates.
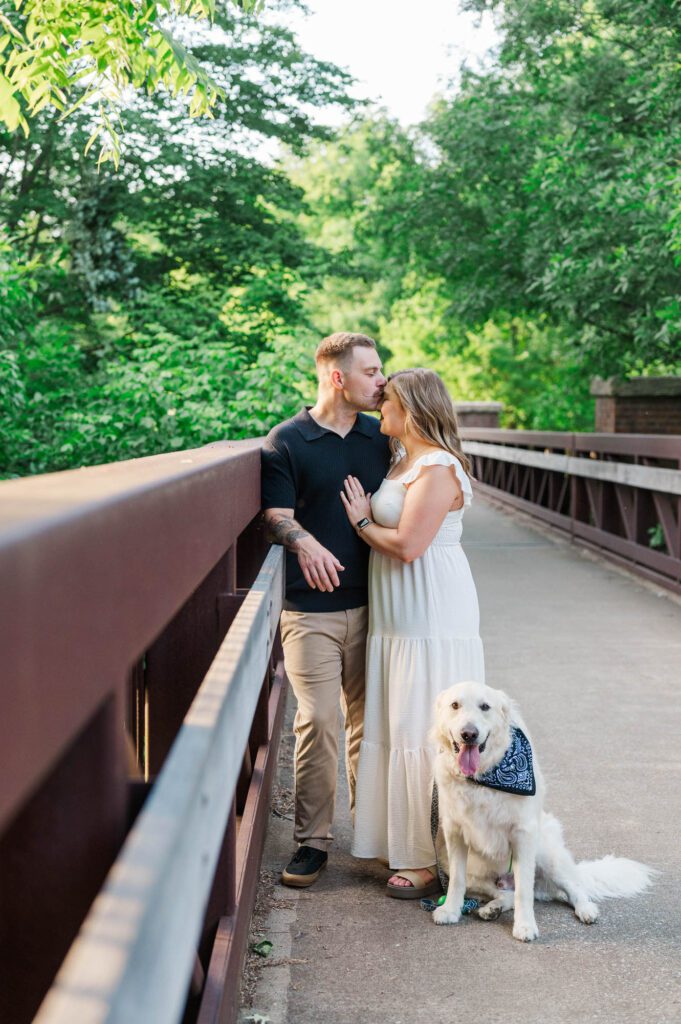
(10, 111)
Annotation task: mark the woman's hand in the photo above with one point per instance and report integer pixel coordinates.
(356, 502)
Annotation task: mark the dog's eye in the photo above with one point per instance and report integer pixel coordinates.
(484, 707)
(455, 705)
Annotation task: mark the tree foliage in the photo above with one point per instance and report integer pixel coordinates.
(526, 237)
(556, 185)
(164, 305)
(65, 53)
(357, 189)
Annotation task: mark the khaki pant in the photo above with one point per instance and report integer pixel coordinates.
(324, 655)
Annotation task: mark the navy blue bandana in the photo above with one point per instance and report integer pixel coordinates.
(515, 772)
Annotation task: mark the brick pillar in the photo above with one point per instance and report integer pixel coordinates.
(640, 405)
(478, 414)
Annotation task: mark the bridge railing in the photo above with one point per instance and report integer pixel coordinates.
(617, 493)
(140, 713)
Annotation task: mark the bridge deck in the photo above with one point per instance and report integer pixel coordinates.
(594, 659)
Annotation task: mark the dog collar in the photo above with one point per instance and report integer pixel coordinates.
(515, 771)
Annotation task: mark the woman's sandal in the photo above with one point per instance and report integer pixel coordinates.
(418, 887)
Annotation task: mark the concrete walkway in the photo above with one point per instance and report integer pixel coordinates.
(594, 659)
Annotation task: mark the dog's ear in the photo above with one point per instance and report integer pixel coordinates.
(439, 734)
(441, 701)
(508, 708)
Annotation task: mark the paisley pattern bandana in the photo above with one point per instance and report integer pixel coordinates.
(515, 771)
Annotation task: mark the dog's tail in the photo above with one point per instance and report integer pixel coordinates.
(614, 876)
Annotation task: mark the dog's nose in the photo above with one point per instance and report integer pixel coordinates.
(469, 734)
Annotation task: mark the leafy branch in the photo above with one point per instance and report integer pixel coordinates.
(66, 53)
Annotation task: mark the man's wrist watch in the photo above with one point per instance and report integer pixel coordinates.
(362, 524)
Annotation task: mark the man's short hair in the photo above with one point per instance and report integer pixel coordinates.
(338, 347)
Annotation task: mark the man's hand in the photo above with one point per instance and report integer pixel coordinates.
(319, 566)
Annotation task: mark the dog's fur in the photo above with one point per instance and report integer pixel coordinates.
(483, 826)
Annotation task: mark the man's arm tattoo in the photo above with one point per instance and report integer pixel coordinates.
(285, 530)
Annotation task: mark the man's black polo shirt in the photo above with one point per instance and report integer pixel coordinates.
(303, 468)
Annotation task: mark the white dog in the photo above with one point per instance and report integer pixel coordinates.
(491, 796)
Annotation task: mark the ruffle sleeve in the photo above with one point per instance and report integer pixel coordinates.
(441, 458)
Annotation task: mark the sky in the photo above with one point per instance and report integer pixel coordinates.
(401, 53)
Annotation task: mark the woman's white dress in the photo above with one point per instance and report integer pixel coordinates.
(423, 637)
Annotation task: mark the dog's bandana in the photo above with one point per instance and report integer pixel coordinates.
(515, 772)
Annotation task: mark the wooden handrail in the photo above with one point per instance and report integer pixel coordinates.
(118, 585)
(655, 446)
(93, 565)
(651, 478)
(611, 492)
(133, 960)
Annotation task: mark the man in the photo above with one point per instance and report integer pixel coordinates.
(324, 623)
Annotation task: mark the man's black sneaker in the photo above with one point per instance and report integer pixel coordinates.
(304, 867)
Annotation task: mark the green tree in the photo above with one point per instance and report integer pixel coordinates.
(555, 187)
(527, 364)
(170, 292)
(15, 317)
(527, 237)
(357, 191)
(64, 53)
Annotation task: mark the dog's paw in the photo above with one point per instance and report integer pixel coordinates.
(525, 931)
(490, 911)
(586, 911)
(442, 916)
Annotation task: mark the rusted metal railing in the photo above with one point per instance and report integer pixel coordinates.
(617, 493)
(141, 705)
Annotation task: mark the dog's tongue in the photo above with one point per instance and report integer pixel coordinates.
(469, 759)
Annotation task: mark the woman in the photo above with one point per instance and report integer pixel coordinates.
(423, 623)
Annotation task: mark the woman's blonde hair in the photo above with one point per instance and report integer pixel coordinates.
(430, 410)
